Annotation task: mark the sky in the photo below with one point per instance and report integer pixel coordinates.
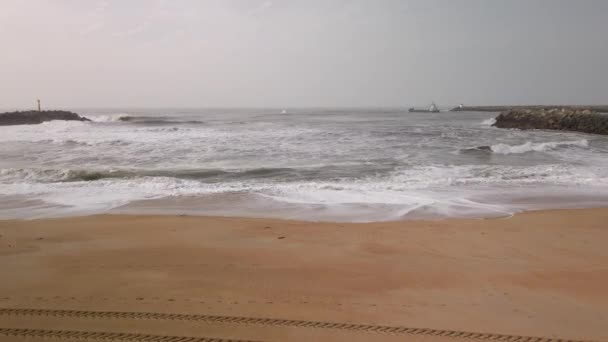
(302, 53)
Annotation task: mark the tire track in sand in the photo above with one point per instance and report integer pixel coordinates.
(101, 336)
(353, 327)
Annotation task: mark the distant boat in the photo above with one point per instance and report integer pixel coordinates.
(283, 111)
(431, 109)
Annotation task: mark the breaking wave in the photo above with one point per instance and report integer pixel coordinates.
(332, 177)
(157, 120)
(488, 122)
(525, 148)
(204, 175)
(143, 119)
(446, 190)
(107, 117)
(537, 147)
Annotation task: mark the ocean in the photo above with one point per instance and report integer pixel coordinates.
(351, 165)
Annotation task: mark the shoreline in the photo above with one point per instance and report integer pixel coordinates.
(445, 220)
(147, 215)
(484, 204)
(540, 274)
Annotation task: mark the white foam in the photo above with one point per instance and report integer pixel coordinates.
(107, 117)
(440, 190)
(488, 122)
(537, 147)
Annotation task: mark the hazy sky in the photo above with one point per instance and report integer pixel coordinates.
(238, 53)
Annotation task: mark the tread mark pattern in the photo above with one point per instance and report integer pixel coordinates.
(355, 327)
(104, 336)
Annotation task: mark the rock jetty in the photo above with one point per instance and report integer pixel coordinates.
(36, 117)
(563, 119)
(600, 109)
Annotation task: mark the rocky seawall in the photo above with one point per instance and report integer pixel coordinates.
(36, 117)
(599, 109)
(563, 119)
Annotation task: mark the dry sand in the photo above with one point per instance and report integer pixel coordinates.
(536, 274)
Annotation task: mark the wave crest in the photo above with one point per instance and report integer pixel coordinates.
(108, 118)
(203, 175)
(157, 120)
(537, 147)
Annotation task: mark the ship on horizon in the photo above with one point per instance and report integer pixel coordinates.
(431, 109)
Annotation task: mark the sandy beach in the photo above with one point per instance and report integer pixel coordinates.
(537, 274)
(333, 171)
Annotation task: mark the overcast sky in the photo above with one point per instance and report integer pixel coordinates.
(231, 53)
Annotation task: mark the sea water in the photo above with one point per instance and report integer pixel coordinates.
(315, 164)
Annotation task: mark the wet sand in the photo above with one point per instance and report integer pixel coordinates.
(539, 274)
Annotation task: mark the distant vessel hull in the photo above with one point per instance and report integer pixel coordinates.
(430, 109)
(413, 110)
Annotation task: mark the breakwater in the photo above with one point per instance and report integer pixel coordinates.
(563, 119)
(36, 117)
(595, 108)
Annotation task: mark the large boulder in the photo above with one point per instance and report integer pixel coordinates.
(564, 119)
(36, 117)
